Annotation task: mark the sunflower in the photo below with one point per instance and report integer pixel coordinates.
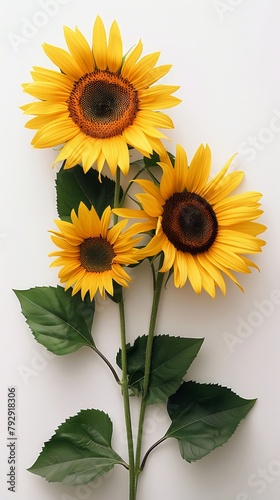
(201, 230)
(100, 102)
(92, 255)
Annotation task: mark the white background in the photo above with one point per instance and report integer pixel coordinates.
(226, 59)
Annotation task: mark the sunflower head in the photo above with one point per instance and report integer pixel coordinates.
(91, 254)
(99, 102)
(202, 229)
(189, 222)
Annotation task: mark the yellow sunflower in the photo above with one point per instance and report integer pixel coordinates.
(92, 255)
(202, 231)
(100, 101)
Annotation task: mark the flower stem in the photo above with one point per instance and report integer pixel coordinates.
(110, 366)
(126, 404)
(117, 193)
(124, 380)
(148, 360)
(151, 449)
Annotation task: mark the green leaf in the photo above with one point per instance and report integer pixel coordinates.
(80, 450)
(117, 295)
(204, 416)
(154, 159)
(171, 358)
(74, 186)
(58, 321)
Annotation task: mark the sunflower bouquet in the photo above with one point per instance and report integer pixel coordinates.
(98, 106)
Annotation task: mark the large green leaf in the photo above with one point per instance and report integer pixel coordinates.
(58, 321)
(79, 451)
(74, 186)
(204, 416)
(171, 358)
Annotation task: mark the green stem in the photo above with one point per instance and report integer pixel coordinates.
(145, 169)
(130, 184)
(117, 193)
(126, 404)
(151, 449)
(124, 381)
(148, 360)
(110, 366)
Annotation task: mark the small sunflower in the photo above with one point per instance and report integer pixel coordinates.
(100, 101)
(92, 255)
(202, 231)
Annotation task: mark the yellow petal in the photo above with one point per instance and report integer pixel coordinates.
(169, 252)
(123, 154)
(46, 91)
(212, 270)
(153, 248)
(60, 242)
(227, 217)
(131, 59)
(80, 49)
(151, 189)
(208, 284)
(71, 150)
(156, 91)
(238, 242)
(167, 183)
(100, 162)
(45, 108)
(159, 102)
(155, 118)
(226, 186)
(180, 269)
(209, 189)
(194, 275)
(253, 228)
(45, 75)
(99, 44)
(54, 133)
(154, 75)
(180, 170)
(106, 284)
(115, 231)
(148, 129)
(110, 151)
(89, 284)
(199, 170)
(130, 213)
(64, 61)
(140, 69)
(120, 275)
(88, 152)
(141, 227)
(76, 278)
(223, 259)
(105, 221)
(157, 146)
(94, 224)
(248, 199)
(115, 49)
(150, 204)
(137, 139)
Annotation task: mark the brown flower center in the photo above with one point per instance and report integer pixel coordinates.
(103, 104)
(96, 254)
(189, 222)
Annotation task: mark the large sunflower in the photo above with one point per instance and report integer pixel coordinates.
(92, 255)
(202, 231)
(100, 101)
